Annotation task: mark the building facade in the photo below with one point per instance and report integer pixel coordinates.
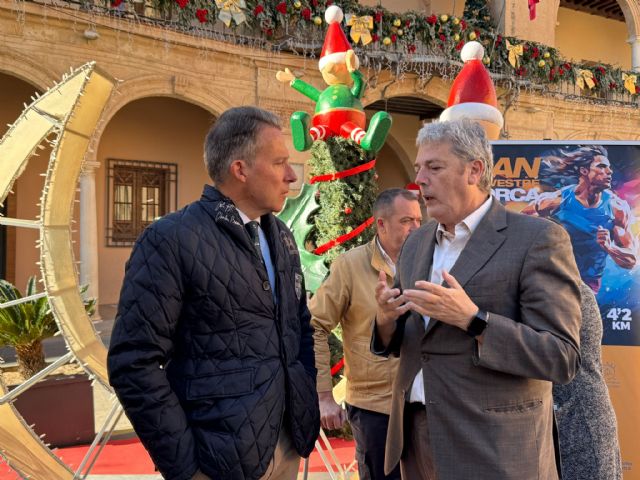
(146, 155)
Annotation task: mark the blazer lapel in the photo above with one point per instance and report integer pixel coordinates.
(482, 245)
(423, 258)
(422, 271)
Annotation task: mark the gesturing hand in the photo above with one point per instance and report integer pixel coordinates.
(449, 305)
(391, 303)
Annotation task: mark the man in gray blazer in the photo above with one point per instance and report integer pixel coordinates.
(485, 315)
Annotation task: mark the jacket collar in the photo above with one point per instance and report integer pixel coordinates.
(378, 261)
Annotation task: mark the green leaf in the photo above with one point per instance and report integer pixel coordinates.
(295, 215)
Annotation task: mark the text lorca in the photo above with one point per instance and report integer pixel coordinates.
(516, 181)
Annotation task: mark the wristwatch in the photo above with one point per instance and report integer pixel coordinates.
(478, 324)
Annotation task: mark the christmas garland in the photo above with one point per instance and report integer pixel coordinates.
(410, 37)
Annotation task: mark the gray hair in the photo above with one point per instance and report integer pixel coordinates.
(384, 202)
(234, 136)
(467, 141)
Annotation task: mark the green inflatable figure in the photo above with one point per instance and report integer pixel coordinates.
(338, 108)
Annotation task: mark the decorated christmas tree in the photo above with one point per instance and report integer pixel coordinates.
(478, 15)
(333, 212)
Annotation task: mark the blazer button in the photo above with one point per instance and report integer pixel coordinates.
(425, 357)
(266, 286)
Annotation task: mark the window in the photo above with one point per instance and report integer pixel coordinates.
(137, 194)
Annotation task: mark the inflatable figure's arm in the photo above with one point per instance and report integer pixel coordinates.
(358, 82)
(303, 87)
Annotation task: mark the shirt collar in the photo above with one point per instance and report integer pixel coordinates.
(469, 224)
(245, 219)
(386, 256)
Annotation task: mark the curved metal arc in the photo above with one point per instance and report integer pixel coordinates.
(57, 259)
(76, 104)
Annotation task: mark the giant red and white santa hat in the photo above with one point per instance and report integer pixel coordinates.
(336, 43)
(473, 95)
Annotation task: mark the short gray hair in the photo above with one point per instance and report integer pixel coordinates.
(384, 202)
(234, 136)
(467, 141)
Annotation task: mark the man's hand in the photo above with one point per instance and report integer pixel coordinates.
(332, 416)
(448, 305)
(391, 304)
(285, 76)
(350, 61)
(603, 237)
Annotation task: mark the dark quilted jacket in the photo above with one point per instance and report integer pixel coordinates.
(200, 355)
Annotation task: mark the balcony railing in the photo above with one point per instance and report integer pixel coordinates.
(435, 57)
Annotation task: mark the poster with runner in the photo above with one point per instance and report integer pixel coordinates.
(593, 190)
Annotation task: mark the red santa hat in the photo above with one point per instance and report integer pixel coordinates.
(336, 44)
(473, 95)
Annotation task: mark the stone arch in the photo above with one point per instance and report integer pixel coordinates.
(178, 87)
(631, 11)
(27, 70)
(405, 159)
(434, 90)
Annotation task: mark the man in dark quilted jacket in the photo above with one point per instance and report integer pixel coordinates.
(212, 352)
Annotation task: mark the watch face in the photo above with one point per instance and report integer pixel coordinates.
(478, 324)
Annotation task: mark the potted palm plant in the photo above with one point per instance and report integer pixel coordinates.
(24, 326)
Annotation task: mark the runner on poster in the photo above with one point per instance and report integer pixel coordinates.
(593, 190)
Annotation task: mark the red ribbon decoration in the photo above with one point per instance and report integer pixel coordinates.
(345, 173)
(336, 368)
(343, 238)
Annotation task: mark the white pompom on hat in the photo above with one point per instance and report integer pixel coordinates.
(473, 94)
(336, 43)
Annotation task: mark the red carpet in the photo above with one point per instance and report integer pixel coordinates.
(129, 457)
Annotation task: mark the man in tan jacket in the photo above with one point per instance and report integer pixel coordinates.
(347, 298)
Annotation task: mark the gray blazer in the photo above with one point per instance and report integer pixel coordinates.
(587, 424)
(489, 409)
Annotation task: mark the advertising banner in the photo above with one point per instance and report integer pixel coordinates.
(593, 190)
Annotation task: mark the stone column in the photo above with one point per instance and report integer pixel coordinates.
(89, 232)
(635, 52)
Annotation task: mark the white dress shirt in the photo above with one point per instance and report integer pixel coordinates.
(446, 252)
(386, 257)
